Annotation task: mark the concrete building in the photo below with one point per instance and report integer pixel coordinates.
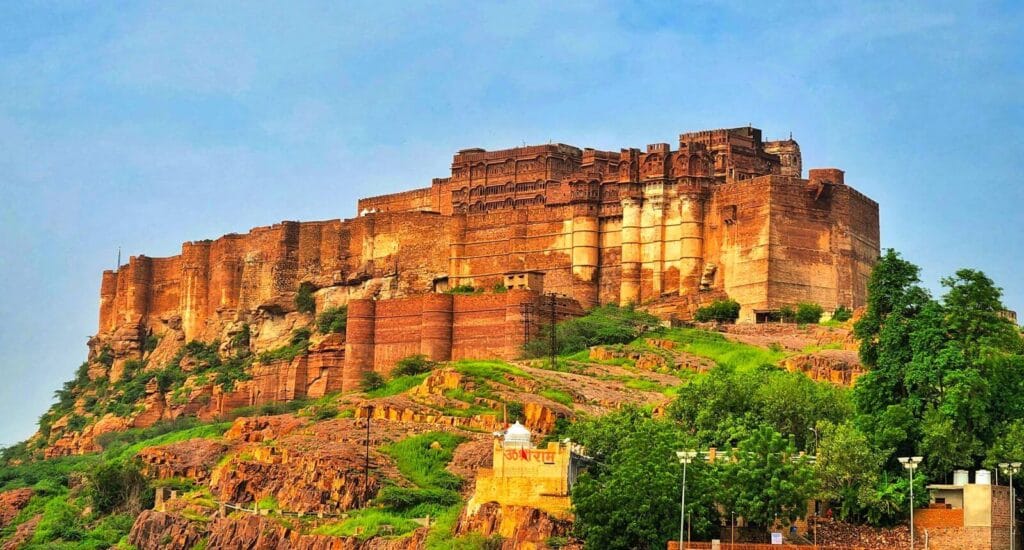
(523, 475)
(966, 516)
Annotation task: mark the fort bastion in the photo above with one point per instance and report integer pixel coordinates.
(722, 213)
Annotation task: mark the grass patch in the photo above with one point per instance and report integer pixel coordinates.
(493, 370)
(558, 396)
(368, 523)
(714, 346)
(424, 465)
(398, 385)
(206, 431)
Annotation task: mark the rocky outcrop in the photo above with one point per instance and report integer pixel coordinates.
(23, 533)
(193, 459)
(791, 336)
(840, 367)
(11, 503)
(253, 429)
(519, 527)
(300, 482)
(154, 529)
(159, 530)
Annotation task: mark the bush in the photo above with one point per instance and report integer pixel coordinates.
(413, 365)
(119, 487)
(787, 314)
(842, 314)
(499, 288)
(514, 410)
(371, 381)
(297, 346)
(304, 301)
(808, 313)
(333, 319)
(241, 338)
(603, 325)
(404, 498)
(151, 343)
(720, 311)
(463, 289)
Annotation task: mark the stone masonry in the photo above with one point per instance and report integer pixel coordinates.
(725, 213)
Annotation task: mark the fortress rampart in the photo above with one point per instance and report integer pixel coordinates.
(721, 213)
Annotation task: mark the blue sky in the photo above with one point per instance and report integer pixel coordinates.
(145, 125)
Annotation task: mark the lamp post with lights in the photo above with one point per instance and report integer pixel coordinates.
(911, 463)
(1011, 468)
(685, 457)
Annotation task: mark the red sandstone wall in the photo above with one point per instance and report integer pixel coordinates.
(445, 327)
(219, 280)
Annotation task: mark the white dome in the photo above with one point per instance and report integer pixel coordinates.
(517, 436)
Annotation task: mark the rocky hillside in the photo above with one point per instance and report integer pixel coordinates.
(238, 454)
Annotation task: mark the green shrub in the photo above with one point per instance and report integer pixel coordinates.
(405, 498)
(76, 423)
(808, 313)
(119, 487)
(515, 411)
(396, 385)
(241, 338)
(298, 345)
(720, 311)
(842, 314)
(603, 325)
(61, 521)
(152, 341)
(557, 396)
(333, 319)
(423, 463)
(304, 300)
(371, 381)
(463, 289)
(499, 288)
(413, 365)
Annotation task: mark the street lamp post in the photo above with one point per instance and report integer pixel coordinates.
(911, 463)
(685, 457)
(1011, 468)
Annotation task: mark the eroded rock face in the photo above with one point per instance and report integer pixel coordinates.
(159, 530)
(11, 503)
(23, 533)
(307, 483)
(154, 529)
(520, 528)
(193, 459)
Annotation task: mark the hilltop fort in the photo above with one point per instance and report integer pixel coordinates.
(475, 263)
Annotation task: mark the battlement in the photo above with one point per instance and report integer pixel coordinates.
(724, 214)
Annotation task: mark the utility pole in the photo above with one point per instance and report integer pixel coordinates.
(685, 457)
(1011, 468)
(554, 340)
(911, 463)
(366, 471)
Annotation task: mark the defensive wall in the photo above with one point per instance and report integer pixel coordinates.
(445, 327)
(721, 213)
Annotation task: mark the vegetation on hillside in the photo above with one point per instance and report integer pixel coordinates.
(609, 324)
(91, 501)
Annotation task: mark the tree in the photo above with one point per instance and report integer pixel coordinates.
(119, 487)
(973, 308)
(767, 480)
(845, 464)
(304, 300)
(808, 313)
(892, 289)
(720, 311)
(630, 497)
